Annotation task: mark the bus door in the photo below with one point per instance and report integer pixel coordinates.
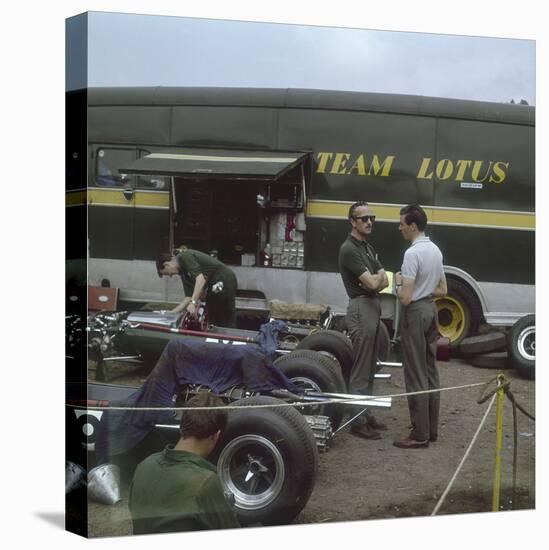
(111, 200)
(129, 213)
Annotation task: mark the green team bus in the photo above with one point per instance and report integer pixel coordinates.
(239, 172)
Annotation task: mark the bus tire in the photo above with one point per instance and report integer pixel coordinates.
(483, 343)
(268, 459)
(459, 313)
(310, 369)
(521, 346)
(335, 344)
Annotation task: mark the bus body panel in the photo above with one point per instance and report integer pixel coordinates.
(470, 164)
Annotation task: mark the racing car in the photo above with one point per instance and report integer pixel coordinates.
(285, 402)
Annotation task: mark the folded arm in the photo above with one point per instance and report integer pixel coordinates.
(374, 281)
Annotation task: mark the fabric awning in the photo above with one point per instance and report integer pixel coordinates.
(216, 163)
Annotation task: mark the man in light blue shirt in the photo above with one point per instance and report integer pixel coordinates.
(420, 280)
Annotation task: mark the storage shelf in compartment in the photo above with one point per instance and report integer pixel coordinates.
(284, 267)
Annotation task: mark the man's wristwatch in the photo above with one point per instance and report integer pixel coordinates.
(194, 302)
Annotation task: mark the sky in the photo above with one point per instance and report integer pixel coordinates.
(145, 50)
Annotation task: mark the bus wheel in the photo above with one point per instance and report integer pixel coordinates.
(459, 313)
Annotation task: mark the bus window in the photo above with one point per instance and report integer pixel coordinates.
(106, 168)
(159, 183)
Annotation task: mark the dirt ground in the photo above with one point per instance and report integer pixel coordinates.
(360, 479)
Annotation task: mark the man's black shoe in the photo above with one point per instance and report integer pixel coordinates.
(365, 431)
(375, 424)
(409, 443)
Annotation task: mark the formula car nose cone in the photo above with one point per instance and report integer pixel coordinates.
(75, 476)
(104, 483)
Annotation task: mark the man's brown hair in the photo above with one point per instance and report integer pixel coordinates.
(203, 422)
(413, 213)
(353, 208)
(161, 260)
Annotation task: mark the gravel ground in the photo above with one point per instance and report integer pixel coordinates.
(360, 480)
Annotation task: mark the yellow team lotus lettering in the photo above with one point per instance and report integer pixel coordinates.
(344, 163)
(478, 171)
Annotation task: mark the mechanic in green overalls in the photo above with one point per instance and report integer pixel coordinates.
(201, 273)
(178, 489)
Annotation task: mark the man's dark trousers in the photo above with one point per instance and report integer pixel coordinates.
(419, 335)
(362, 321)
(221, 305)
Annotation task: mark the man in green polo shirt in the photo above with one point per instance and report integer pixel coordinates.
(363, 277)
(178, 489)
(201, 272)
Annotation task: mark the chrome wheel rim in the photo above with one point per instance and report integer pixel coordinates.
(252, 468)
(527, 343)
(307, 384)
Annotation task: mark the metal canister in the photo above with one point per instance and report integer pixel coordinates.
(217, 287)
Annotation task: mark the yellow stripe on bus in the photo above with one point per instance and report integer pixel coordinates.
(436, 215)
(115, 197)
(152, 200)
(324, 209)
(75, 198)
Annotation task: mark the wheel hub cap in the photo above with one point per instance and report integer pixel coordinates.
(527, 343)
(251, 467)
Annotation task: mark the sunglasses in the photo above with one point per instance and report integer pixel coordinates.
(365, 218)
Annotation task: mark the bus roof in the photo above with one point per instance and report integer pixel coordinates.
(314, 99)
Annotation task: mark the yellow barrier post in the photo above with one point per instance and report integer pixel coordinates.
(499, 436)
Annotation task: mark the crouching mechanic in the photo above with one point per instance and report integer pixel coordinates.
(201, 273)
(178, 489)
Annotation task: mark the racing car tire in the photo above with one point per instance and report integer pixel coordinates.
(311, 370)
(521, 346)
(335, 344)
(268, 459)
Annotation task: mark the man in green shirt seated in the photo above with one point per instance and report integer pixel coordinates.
(178, 489)
(201, 272)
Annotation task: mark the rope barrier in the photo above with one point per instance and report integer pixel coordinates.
(343, 401)
(449, 486)
(516, 406)
(503, 387)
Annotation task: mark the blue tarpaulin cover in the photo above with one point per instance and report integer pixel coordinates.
(215, 365)
(267, 339)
